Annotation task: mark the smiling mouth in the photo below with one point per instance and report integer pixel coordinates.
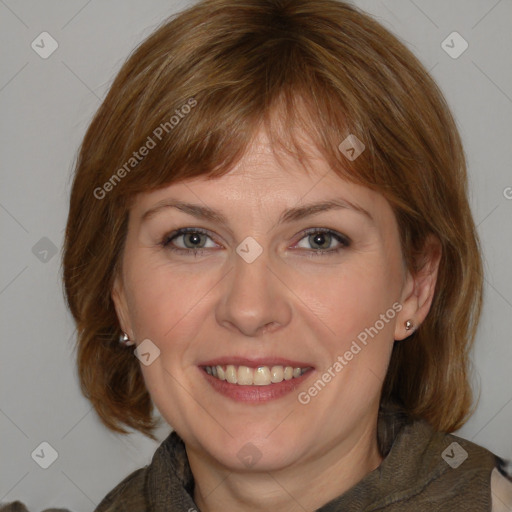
(259, 376)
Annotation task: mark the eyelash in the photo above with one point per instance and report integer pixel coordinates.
(342, 239)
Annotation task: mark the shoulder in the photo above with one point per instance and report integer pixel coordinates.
(477, 472)
(15, 506)
(128, 495)
(501, 487)
(442, 471)
(18, 506)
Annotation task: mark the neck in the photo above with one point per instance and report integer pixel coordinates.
(305, 485)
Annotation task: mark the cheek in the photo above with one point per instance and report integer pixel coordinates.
(168, 305)
(360, 309)
(352, 298)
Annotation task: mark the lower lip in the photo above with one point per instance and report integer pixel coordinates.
(255, 394)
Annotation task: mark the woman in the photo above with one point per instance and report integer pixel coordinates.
(270, 209)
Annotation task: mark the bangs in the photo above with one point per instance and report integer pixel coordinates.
(204, 103)
(191, 99)
(213, 135)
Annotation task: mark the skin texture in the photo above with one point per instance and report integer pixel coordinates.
(287, 303)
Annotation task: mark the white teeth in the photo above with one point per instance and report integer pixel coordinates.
(276, 374)
(260, 376)
(244, 376)
(231, 374)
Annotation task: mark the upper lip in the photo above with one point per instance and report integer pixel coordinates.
(255, 362)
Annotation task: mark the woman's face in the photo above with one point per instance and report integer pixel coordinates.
(270, 286)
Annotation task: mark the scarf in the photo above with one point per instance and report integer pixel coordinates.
(423, 470)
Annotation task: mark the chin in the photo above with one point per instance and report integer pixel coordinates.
(255, 449)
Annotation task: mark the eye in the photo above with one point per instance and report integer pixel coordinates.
(321, 240)
(193, 240)
(318, 241)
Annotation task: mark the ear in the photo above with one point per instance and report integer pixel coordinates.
(120, 303)
(418, 289)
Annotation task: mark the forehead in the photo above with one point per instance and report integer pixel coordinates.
(268, 178)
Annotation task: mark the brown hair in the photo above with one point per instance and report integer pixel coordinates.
(195, 93)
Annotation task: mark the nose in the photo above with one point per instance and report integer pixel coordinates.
(255, 300)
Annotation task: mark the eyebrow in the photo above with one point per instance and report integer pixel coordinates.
(290, 215)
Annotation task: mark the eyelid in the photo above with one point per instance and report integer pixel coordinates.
(343, 240)
(176, 233)
(346, 240)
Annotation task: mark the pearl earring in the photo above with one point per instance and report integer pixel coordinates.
(125, 341)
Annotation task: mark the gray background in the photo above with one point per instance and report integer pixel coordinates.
(46, 106)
